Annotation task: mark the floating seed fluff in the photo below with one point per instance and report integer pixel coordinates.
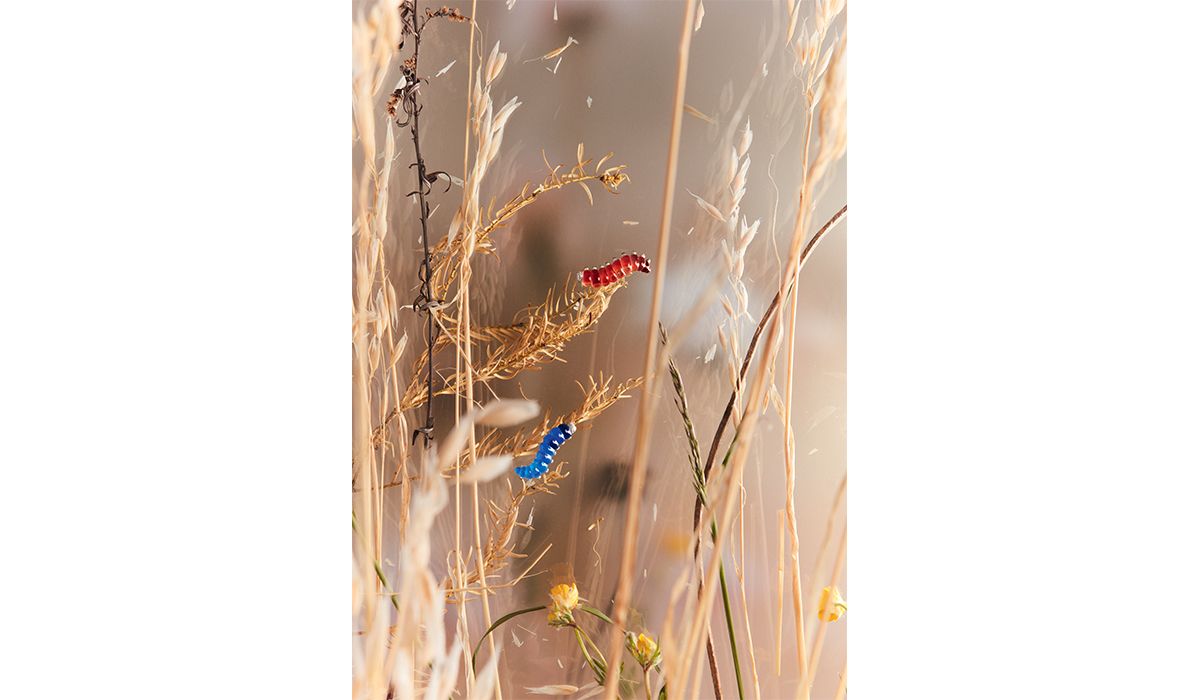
(545, 454)
(615, 270)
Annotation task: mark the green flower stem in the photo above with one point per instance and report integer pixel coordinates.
(595, 649)
(593, 611)
(378, 569)
(384, 581)
(600, 670)
(737, 666)
(496, 624)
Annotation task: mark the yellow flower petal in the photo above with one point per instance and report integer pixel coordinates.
(646, 646)
(644, 649)
(832, 605)
(565, 596)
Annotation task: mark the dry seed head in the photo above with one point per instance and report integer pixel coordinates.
(738, 184)
(728, 307)
(708, 208)
(807, 48)
(748, 232)
(827, 10)
(374, 353)
(823, 65)
(743, 300)
(727, 254)
(746, 140)
(501, 119)
(495, 64)
(496, 135)
(793, 17)
(392, 307)
(398, 348)
(831, 117)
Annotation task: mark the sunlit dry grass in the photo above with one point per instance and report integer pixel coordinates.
(402, 600)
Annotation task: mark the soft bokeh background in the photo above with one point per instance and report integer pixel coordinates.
(625, 65)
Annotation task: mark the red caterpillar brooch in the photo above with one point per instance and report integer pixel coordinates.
(615, 270)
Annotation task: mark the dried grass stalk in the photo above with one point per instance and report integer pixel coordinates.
(537, 335)
(598, 396)
(498, 551)
(449, 252)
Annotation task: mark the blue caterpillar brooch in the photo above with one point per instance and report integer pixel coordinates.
(545, 454)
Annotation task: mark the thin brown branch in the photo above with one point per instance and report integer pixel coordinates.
(762, 324)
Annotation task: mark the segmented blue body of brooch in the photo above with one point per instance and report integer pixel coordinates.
(545, 454)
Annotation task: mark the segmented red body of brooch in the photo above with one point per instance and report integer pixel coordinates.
(615, 270)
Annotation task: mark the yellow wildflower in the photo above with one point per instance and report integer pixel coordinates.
(564, 598)
(646, 646)
(644, 649)
(832, 605)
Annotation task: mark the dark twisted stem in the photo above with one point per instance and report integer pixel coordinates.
(408, 99)
(405, 97)
(762, 324)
